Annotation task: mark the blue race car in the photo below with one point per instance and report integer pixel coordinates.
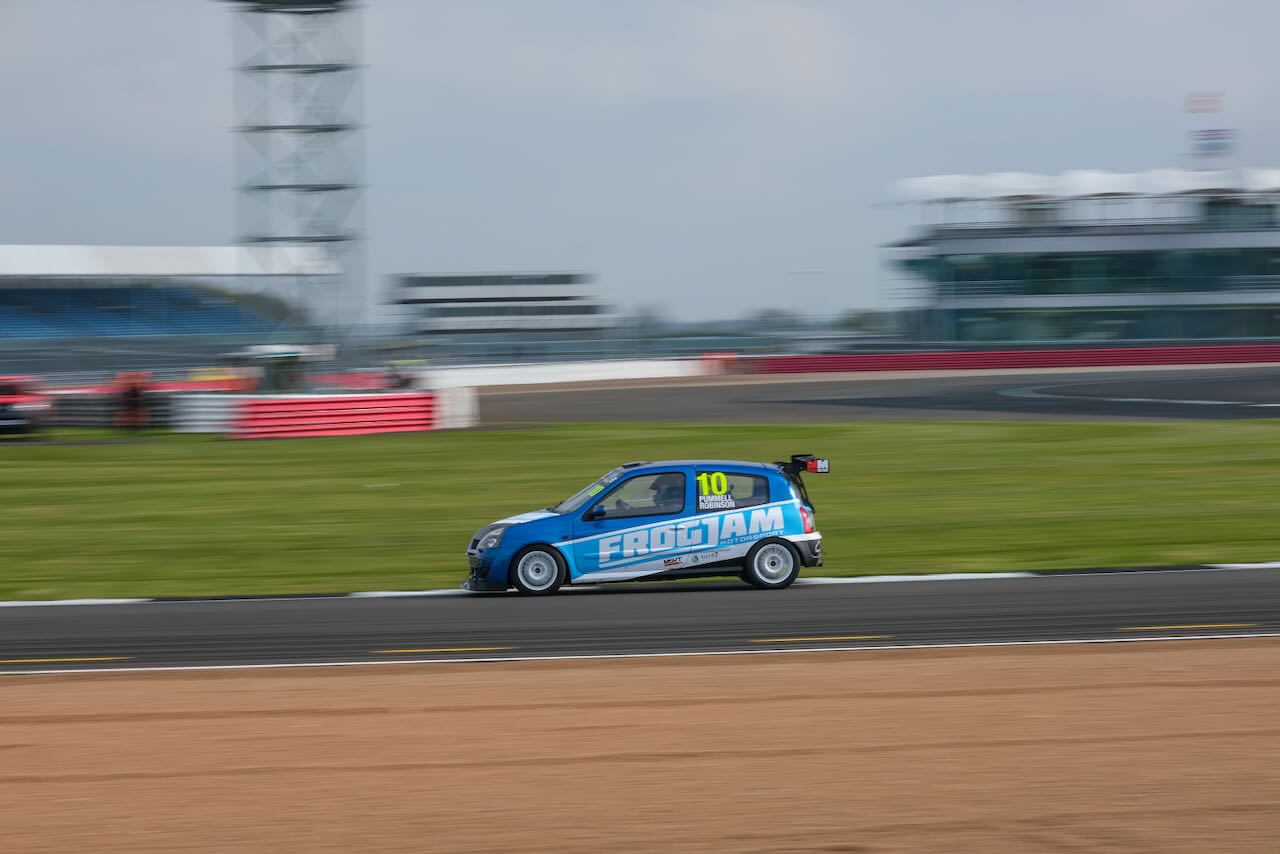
(674, 519)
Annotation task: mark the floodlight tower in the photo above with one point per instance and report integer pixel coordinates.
(299, 155)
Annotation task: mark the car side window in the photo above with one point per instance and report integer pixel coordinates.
(645, 495)
(720, 490)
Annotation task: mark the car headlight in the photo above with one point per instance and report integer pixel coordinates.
(491, 539)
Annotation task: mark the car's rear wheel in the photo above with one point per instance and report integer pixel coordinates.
(771, 565)
(538, 571)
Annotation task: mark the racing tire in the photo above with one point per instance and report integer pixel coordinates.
(771, 565)
(538, 571)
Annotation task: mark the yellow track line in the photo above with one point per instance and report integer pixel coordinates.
(63, 660)
(443, 649)
(1191, 626)
(827, 638)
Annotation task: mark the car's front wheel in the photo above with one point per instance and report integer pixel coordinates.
(538, 571)
(771, 565)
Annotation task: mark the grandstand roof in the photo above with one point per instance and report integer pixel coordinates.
(1085, 184)
(32, 261)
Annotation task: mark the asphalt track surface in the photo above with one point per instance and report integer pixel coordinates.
(643, 619)
(1190, 393)
(720, 617)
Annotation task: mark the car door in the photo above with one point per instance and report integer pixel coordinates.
(735, 509)
(631, 530)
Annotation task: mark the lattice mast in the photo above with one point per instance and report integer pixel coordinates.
(299, 150)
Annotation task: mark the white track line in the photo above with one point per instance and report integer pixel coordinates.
(1271, 565)
(583, 588)
(941, 576)
(611, 656)
(400, 594)
(39, 603)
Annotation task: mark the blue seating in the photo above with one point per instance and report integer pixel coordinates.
(57, 312)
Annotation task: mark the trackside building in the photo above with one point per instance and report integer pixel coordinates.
(508, 314)
(1095, 256)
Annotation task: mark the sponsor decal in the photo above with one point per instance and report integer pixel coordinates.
(673, 561)
(721, 530)
(704, 557)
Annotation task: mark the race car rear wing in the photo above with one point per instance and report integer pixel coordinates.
(804, 464)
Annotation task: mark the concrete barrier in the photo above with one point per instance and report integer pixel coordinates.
(996, 359)
(563, 372)
(204, 413)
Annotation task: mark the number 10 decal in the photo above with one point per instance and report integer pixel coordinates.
(714, 483)
(713, 491)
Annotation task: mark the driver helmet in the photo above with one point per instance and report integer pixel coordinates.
(667, 487)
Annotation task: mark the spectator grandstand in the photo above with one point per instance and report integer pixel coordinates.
(79, 292)
(123, 311)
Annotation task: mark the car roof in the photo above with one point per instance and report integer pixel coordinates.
(666, 464)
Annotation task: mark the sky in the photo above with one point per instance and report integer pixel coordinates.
(704, 158)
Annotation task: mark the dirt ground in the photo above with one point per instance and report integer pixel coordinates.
(1171, 747)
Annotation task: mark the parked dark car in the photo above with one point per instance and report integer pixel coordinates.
(15, 422)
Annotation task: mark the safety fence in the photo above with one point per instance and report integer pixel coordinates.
(997, 359)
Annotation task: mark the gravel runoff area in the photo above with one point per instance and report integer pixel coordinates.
(1167, 747)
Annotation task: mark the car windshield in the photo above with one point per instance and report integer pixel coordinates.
(593, 489)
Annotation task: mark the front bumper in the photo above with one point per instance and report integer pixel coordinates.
(480, 585)
(480, 578)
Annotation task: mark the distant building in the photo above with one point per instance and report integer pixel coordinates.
(511, 314)
(1094, 256)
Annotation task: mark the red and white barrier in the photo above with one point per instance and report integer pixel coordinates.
(997, 359)
(289, 415)
(339, 415)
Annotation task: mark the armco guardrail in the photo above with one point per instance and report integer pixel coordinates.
(85, 409)
(242, 416)
(995, 359)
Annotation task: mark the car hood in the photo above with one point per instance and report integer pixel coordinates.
(521, 518)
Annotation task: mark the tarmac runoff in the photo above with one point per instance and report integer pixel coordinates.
(1152, 393)
(827, 615)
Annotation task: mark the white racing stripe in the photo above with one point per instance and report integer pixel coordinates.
(611, 656)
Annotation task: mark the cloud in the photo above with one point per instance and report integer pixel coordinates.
(782, 55)
(151, 76)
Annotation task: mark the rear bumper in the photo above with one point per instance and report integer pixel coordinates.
(810, 552)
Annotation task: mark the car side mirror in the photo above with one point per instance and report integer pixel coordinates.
(596, 512)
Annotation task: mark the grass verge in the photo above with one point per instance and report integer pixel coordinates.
(183, 516)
